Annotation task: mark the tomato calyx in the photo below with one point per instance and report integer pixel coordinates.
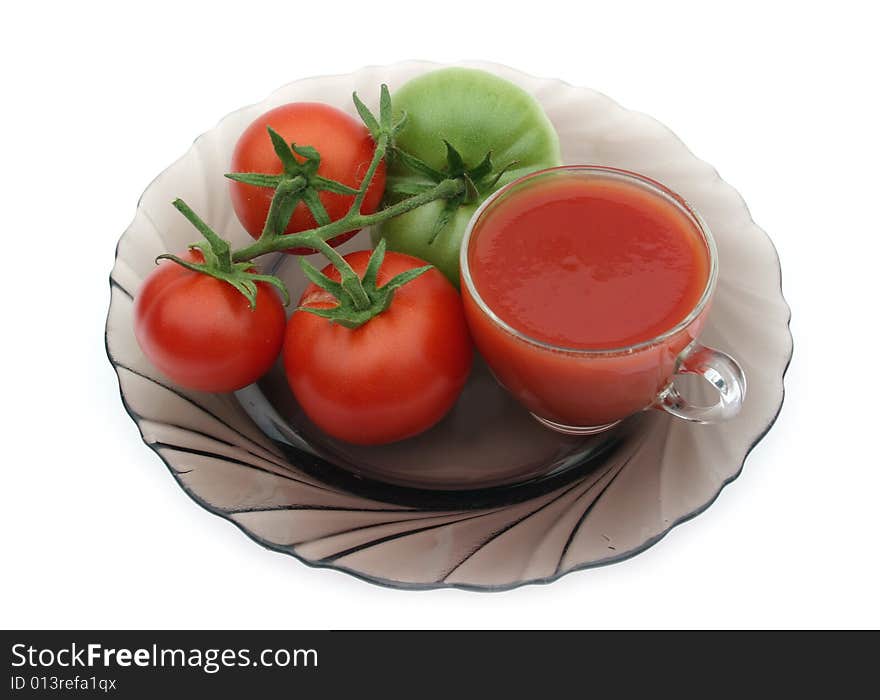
(359, 298)
(478, 181)
(218, 261)
(384, 126)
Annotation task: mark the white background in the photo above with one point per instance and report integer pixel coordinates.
(100, 98)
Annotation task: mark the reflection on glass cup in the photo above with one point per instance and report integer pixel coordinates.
(585, 386)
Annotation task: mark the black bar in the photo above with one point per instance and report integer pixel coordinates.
(414, 664)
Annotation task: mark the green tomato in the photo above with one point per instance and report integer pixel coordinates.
(478, 114)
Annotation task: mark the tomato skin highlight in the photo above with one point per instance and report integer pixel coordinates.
(346, 149)
(201, 333)
(391, 378)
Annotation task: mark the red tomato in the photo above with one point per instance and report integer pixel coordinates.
(201, 333)
(394, 376)
(346, 149)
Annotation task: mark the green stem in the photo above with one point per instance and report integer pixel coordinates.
(378, 155)
(274, 220)
(218, 245)
(445, 189)
(351, 283)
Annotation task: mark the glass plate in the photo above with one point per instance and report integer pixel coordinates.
(487, 499)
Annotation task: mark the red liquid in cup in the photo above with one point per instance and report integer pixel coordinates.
(585, 263)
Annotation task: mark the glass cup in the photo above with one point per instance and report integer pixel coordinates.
(581, 391)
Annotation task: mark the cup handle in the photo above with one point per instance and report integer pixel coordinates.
(721, 371)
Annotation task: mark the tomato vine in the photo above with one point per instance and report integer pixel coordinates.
(299, 182)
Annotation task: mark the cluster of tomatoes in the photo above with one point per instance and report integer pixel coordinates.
(390, 378)
(370, 360)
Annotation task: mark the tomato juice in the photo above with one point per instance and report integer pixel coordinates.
(582, 286)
